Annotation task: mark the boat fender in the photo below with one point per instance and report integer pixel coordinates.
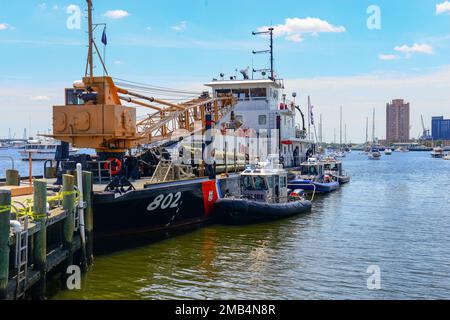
(16, 226)
(116, 166)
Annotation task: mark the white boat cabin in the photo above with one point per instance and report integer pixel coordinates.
(265, 183)
(312, 169)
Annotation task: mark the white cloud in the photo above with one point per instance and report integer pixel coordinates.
(40, 98)
(180, 27)
(388, 57)
(5, 26)
(415, 48)
(294, 28)
(443, 7)
(55, 7)
(116, 14)
(117, 62)
(148, 28)
(42, 6)
(295, 38)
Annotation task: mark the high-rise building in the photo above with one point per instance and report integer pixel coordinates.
(397, 121)
(440, 128)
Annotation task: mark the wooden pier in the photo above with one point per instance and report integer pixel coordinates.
(43, 230)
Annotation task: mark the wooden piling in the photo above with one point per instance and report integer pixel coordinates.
(5, 216)
(12, 177)
(88, 216)
(40, 238)
(69, 223)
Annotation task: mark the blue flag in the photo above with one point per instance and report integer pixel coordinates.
(104, 38)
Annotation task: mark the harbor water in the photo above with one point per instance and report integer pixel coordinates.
(394, 216)
(21, 166)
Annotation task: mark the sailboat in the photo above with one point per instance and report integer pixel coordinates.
(374, 153)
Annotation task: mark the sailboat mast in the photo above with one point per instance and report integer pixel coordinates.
(373, 127)
(367, 130)
(309, 118)
(340, 128)
(345, 134)
(91, 39)
(321, 130)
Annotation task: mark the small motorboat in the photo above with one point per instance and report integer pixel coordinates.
(340, 154)
(388, 152)
(447, 157)
(374, 154)
(334, 168)
(312, 178)
(264, 197)
(402, 149)
(438, 153)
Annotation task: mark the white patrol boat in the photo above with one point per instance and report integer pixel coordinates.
(264, 197)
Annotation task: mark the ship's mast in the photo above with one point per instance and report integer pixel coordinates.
(270, 51)
(90, 62)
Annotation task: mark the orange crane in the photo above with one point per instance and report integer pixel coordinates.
(94, 116)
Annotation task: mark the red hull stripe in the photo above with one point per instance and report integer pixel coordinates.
(209, 196)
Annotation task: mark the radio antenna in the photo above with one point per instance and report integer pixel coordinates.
(270, 51)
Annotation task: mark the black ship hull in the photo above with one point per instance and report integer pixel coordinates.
(154, 212)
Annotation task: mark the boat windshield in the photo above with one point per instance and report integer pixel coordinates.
(253, 183)
(332, 167)
(310, 171)
(260, 183)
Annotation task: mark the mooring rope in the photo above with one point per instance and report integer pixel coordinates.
(4, 209)
(28, 210)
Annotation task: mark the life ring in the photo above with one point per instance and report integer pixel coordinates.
(116, 166)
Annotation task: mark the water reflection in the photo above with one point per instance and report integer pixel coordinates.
(390, 215)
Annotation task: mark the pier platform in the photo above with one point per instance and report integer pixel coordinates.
(43, 229)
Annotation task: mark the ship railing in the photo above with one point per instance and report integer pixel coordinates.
(100, 171)
(162, 171)
(8, 158)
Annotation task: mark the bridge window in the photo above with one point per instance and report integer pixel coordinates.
(262, 120)
(242, 94)
(275, 94)
(223, 92)
(258, 93)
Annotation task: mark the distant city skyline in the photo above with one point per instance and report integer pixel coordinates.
(326, 49)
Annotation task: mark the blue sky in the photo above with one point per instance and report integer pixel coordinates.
(339, 61)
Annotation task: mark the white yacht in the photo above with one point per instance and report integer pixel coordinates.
(388, 151)
(438, 152)
(41, 150)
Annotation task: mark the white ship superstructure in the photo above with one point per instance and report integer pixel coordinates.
(263, 108)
